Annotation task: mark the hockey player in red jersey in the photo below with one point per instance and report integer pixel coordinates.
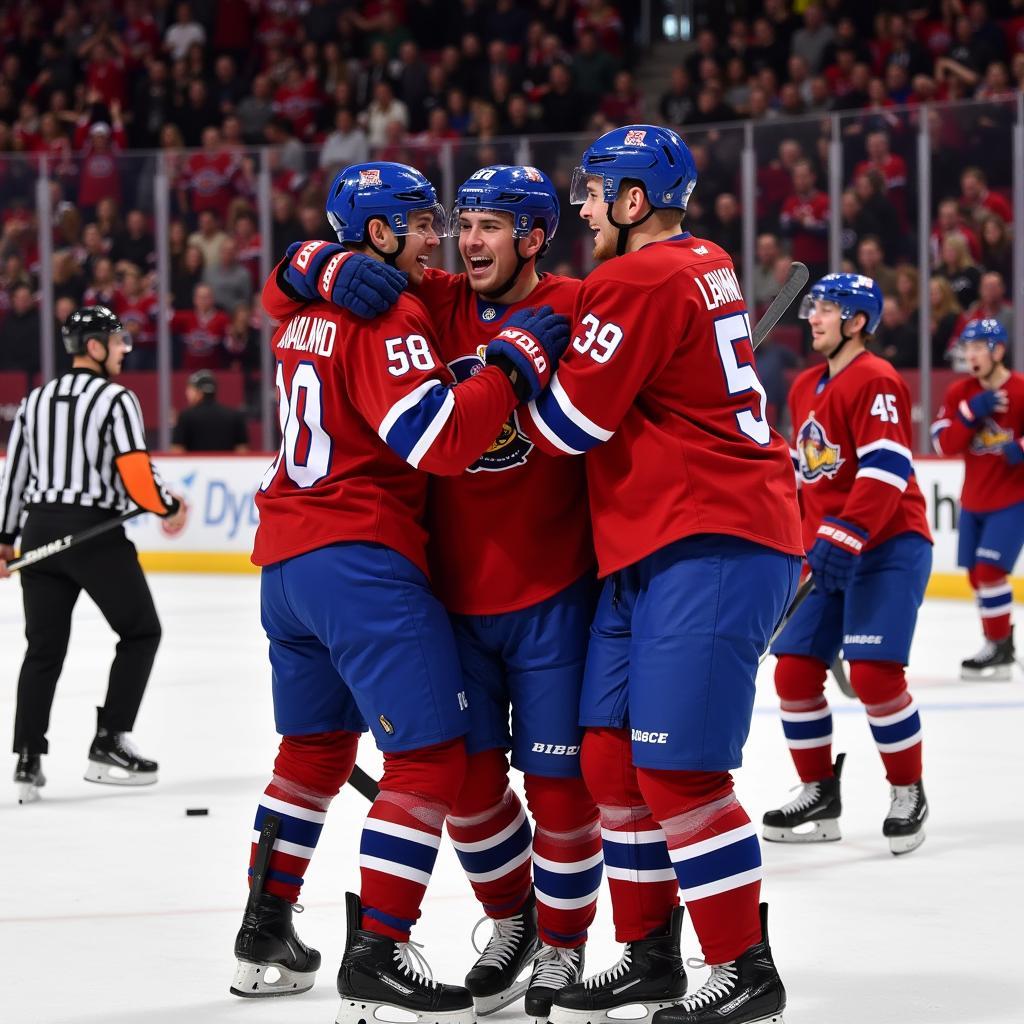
(697, 535)
(869, 550)
(982, 418)
(521, 615)
(357, 638)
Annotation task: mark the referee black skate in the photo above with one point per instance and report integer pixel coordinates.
(76, 457)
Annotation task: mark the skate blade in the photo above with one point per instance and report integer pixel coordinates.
(824, 831)
(995, 674)
(256, 981)
(353, 1011)
(486, 1005)
(28, 793)
(112, 775)
(905, 844)
(627, 1012)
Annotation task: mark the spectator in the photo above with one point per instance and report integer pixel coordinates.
(194, 113)
(248, 244)
(227, 88)
(890, 166)
(256, 110)
(209, 179)
(774, 364)
(907, 292)
(765, 287)
(977, 201)
(945, 314)
(230, 282)
(991, 304)
(209, 239)
(996, 250)
(285, 225)
(593, 70)
(562, 107)
(185, 32)
(202, 332)
(298, 101)
(804, 220)
(185, 276)
(959, 270)
(19, 339)
(346, 145)
(135, 243)
(676, 104)
(384, 110)
(104, 69)
(206, 425)
(871, 262)
(625, 105)
(895, 340)
(727, 224)
(98, 175)
(137, 307)
(811, 41)
(870, 191)
(102, 289)
(68, 280)
(949, 221)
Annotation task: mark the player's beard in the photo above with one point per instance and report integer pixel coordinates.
(604, 243)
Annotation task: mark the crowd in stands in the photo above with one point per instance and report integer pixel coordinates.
(110, 94)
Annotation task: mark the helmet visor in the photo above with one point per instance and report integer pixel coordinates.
(455, 227)
(811, 304)
(417, 223)
(581, 180)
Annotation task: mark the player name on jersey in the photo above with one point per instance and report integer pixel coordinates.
(720, 287)
(310, 334)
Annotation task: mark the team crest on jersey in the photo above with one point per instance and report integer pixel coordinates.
(818, 456)
(370, 176)
(509, 448)
(989, 438)
(635, 137)
(489, 314)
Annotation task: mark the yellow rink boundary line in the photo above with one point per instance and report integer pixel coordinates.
(941, 584)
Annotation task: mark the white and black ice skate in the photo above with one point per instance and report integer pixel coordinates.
(272, 959)
(904, 824)
(113, 760)
(649, 976)
(494, 980)
(555, 968)
(29, 777)
(747, 990)
(382, 979)
(993, 663)
(813, 816)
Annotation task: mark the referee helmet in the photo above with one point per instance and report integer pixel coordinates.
(90, 322)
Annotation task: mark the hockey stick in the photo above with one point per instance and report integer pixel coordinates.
(55, 547)
(795, 282)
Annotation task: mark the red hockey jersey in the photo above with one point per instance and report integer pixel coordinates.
(659, 388)
(852, 454)
(990, 483)
(363, 405)
(513, 529)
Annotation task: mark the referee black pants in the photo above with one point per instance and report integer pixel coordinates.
(107, 569)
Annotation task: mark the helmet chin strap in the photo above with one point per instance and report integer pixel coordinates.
(496, 293)
(388, 257)
(624, 229)
(845, 338)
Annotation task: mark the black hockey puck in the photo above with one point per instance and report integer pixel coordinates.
(196, 812)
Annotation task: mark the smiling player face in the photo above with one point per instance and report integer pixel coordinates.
(595, 212)
(420, 243)
(487, 248)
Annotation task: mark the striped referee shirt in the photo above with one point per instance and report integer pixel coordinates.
(78, 440)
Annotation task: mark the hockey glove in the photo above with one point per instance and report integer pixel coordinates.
(833, 558)
(972, 412)
(326, 272)
(528, 349)
(1013, 452)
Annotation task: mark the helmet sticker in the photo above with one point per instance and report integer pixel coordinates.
(635, 137)
(369, 176)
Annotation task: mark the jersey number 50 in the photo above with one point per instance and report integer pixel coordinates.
(305, 445)
(741, 378)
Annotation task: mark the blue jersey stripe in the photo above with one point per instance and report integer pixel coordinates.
(406, 432)
(889, 462)
(573, 436)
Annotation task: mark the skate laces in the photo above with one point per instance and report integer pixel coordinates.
(987, 651)
(411, 961)
(501, 946)
(809, 793)
(904, 801)
(613, 973)
(555, 967)
(721, 983)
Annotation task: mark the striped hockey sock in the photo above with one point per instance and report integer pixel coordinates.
(494, 850)
(567, 870)
(806, 716)
(994, 596)
(893, 717)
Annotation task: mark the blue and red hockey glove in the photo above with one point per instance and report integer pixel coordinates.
(834, 556)
(528, 349)
(1013, 451)
(327, 272)
(972, 412)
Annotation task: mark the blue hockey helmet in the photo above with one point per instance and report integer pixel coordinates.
(524, 192)
(383, 189)
(852, 293)
(647, 153)
(988, 330)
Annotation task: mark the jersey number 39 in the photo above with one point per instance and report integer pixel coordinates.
(741, 378)
(305, 445)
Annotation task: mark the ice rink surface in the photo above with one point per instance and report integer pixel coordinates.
(119, 909)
